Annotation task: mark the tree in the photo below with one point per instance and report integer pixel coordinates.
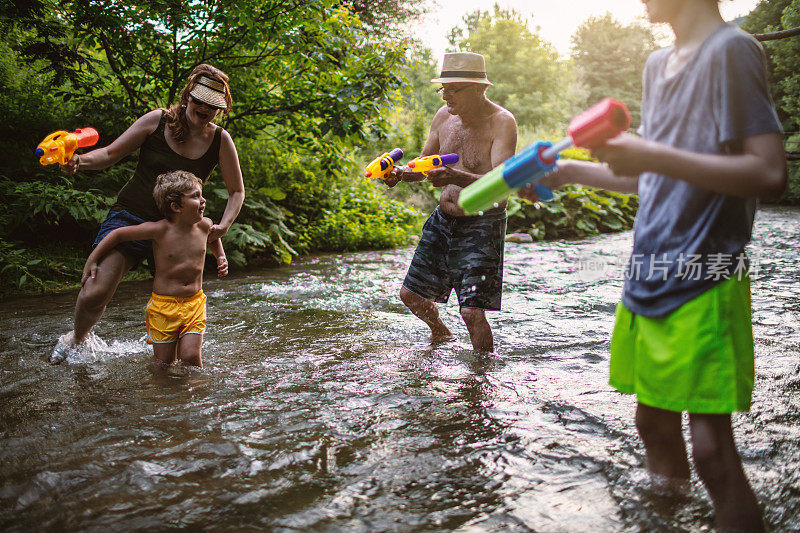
(529, 79)
(610, 58)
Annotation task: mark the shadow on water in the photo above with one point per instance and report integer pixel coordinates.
(322, 408)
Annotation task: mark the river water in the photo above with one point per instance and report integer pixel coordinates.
(322, 407)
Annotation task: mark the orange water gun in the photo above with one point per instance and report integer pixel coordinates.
(59, 146)
(380, 167)
(428, 163)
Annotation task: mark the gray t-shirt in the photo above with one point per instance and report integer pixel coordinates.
(686, 238)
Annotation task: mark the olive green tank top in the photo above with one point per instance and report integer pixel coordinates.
(156, 157)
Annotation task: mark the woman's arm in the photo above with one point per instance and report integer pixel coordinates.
(122, 146)
(232, 176)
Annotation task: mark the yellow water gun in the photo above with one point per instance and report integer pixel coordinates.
(380, 167)
(428, 163)
(59, 146)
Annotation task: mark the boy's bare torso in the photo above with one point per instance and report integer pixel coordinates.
(180, 253)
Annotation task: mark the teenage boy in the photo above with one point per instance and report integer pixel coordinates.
(710, 145)
(176, 312)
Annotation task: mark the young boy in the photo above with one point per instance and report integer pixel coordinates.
(711, 144)
(176, 312)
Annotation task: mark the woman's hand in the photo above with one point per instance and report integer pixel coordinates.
(72, 165)
(216, 232)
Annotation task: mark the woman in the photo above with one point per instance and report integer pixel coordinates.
(182, 137)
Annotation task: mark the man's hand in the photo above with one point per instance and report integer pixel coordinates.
(222, 266)
(626, 154)
(442, 176)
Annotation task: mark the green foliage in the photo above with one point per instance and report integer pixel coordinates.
(309, 82)
(609, 59)
(574, 212)
(529, 80)
(363, 219)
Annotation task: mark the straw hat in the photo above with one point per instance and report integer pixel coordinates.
(463, 67)
(210, 91)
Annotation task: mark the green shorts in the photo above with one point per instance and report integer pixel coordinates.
(699, 358)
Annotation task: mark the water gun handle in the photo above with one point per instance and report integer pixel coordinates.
(381, 166)
(428, 163)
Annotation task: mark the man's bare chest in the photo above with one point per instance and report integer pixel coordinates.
(473, 145)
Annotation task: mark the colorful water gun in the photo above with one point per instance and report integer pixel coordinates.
(428, 163)
(592, 128)
(381, 166)
(59, 146)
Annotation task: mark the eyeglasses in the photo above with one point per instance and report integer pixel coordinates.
(197, 101)
(442, 90)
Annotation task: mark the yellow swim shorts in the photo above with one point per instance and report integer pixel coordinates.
(169, 318)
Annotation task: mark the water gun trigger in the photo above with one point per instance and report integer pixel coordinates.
(543, 192)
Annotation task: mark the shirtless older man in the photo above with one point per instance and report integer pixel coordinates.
(455, 251)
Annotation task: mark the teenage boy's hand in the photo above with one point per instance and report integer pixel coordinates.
(552, 181)
(626, 154)
(222, 266)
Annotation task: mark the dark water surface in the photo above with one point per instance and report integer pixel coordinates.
(323, 408)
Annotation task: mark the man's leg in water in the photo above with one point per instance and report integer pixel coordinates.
(480, 333)
(96, 293)
(426, 311)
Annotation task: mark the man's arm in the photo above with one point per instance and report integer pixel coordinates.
(758, 172)
(403, 172)
(141, 232)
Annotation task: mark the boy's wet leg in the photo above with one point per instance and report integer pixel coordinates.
(189, 349)
(164, 354)
(720, 468)
(660, 431)
(96, 293)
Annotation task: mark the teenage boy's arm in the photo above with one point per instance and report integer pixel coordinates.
(141, 232)
(758, 172)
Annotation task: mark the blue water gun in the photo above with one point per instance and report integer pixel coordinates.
(590, 129)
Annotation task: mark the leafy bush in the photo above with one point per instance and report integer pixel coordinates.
(363, 218)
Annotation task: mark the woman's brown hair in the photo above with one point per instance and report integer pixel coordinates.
(176, 113)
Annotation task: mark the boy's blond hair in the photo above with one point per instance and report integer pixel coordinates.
(171, 187)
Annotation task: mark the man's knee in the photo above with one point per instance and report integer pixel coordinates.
(412, 300)
(473, 317)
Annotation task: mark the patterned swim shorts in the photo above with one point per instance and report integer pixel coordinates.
(461, 253)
